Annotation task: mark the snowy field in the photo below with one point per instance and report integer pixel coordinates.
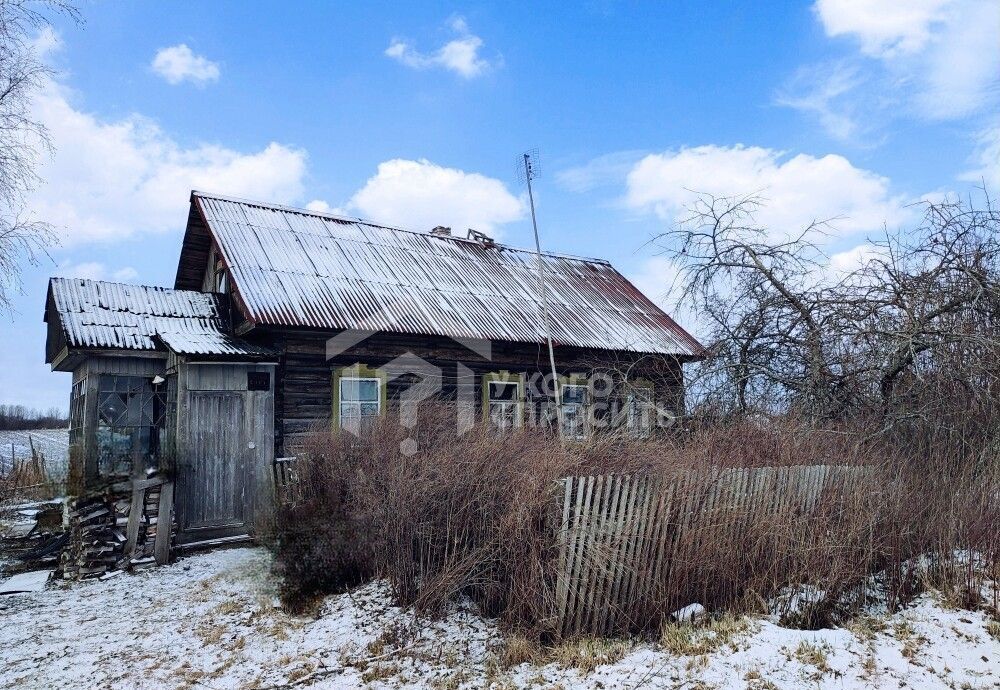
(209, 621)
(53, 443)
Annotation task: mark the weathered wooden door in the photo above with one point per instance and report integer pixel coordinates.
(216, 482)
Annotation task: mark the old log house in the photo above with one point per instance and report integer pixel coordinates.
(281, 319)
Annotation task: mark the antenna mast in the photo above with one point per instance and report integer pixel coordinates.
(530, 172)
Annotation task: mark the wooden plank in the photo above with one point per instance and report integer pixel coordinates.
(583, 487)
(598, 557)
(143, 484)
(161, 547)
(662, 537)
(588, 552)
(624, 523)
(602, 601)
(639, 530)
(134, 520)
(562, 574)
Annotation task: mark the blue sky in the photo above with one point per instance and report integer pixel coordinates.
(414, 114)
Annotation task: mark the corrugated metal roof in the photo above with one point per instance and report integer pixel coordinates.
(97, 314)
(293, 267)
(212, 343)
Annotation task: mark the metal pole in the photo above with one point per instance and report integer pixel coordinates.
(543, 299)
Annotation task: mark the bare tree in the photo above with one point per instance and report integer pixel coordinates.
(764, 302)
(913, 326)
(23, 138)
(924, 307)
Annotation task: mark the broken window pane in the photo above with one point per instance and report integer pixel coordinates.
(131, 413)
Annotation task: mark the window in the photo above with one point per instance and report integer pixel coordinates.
(640, 410)
(221, 277)
(575, 398)
(131, 412)
(504, 406)
(360, 402)
(77, 410)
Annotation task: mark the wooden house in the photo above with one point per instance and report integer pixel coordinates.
(281, 319)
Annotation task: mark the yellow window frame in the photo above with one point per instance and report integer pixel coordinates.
(357, 371)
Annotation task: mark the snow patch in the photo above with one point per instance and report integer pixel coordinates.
(209, 621)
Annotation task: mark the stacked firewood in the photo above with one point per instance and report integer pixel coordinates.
(97, 536)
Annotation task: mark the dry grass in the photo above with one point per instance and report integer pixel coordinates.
(587, 653)
(689, 639)
(473, 516)
(813, 655)
(517, 650)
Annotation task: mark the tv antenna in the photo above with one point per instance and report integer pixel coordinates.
(529, 169)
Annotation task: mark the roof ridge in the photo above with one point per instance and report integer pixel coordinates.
(355, 219)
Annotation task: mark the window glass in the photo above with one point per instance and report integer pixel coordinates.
(358, 390)
(641, 411)
(503, 391)
(574, 394)
(360, 401)
(131, 414)
(77, 410)
(574, 410)
(504, 404)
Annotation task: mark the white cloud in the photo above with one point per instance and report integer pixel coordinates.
(986, 161)
(884, 27)
(420, 195)
(459, 55)
(961, 70)
(854, 258)
(179, 63)
(112, 179)
(828, 92)
(95, 270)
(319, 206)
(797, 189)
(598, 172)
(940, 56)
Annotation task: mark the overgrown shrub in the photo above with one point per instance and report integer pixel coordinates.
(476, 516)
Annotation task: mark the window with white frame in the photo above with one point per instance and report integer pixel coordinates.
(360, 401)
(575, 398)
(640, 410)
(504, 406)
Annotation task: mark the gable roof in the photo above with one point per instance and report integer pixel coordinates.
(98, 315)
(297, 268)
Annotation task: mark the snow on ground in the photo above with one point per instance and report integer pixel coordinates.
(52, 443)
(209, 621)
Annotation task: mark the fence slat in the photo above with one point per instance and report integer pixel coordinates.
(622, 537)
(562, 581)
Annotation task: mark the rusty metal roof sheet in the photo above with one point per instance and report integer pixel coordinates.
(294, 268)
(100, 315)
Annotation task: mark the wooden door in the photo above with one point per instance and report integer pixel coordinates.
(215, 480)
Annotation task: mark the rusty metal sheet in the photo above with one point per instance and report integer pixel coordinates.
(102, 315)
(298, 268)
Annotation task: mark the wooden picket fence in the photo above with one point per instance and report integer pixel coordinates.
(620, 535)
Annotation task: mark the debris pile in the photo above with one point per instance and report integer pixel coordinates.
(31, 536)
